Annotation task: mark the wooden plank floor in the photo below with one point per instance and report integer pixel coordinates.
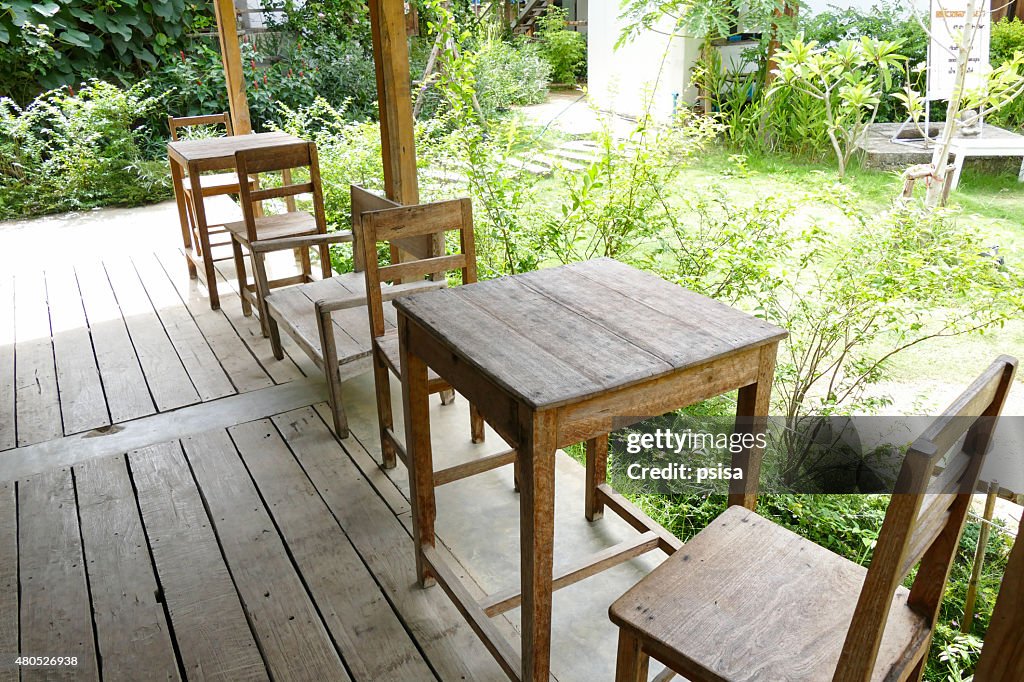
(112, 340)
(233, 555)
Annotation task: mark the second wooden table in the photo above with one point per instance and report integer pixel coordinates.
(556, 357)
(189, 159)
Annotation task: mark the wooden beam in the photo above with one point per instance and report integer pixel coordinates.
(391, 61)
(231, 57)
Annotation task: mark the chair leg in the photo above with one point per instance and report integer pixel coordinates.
(302, 256)
(515, 473)
(385, 419)
(325, 262)
(334, 398)
(631, 663)
(241, 276)
(259, 268)
(476, 424)
(275, 338)
(447, 396)
(597, 469)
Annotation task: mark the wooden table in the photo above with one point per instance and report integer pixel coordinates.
(555, 357)
(191, 158)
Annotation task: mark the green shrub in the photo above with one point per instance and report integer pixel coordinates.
(565, 49)
(72, 150)
(1007, 38)
(45, 45)
(509, 74)
(887, 20)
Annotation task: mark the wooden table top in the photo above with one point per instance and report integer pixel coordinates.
(216, 153)
(556, 336)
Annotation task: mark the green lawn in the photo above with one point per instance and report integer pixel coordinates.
(922, 376)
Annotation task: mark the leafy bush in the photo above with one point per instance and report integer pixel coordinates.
(619, 203)
(323, 21)
(509, 74)
(565, 49)
(63, 42)
(850, 80)
(71, 150)
(1007, 38)
(888, 20)
(282, 73)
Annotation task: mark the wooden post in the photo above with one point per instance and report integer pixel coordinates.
(1002, 657)
(391, 62)
(231, 57)
(979, 558)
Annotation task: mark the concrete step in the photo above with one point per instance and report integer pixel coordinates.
(529, 166)
(552, 161)
(587, 157)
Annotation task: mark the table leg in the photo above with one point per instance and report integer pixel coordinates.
(416, 406)
(204, 238)
(752, 407)
(597, 473)
(179, 197)
(537, 531)
(1020, 175)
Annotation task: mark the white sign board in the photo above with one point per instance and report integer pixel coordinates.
(948, 18)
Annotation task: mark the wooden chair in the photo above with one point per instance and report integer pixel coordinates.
(748, 600)
(266, 230)
(412, 231)
(328, 318)
(213, 184)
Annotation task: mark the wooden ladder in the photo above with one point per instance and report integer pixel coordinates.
(527, 19)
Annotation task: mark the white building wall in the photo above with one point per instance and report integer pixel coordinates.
(653, 65)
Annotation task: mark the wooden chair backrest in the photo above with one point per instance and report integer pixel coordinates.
(925, 518)
(175, 123)
(412, 230)
(364, 201)
(284, 159)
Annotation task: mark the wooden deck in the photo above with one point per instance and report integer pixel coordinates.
(173, 504)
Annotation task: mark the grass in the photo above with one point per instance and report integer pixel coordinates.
(992, 202)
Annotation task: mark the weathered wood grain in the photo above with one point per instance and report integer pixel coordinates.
(38, 404)
(369, 634)
(448, 643)
(124, 384)
(292, 638)
(203, 366)
(131, 628)
(209, 624)
(8, 582)
(165, 374)
(82, 402)
(56, 617)
(8, 435)
(293, 367)
(705, 611)
(242, 367)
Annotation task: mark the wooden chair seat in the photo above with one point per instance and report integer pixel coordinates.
(293, 224)
(782, 613)
(294, 308)
(388, 347)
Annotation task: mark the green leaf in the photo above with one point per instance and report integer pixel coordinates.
(75, 37)
(46, 9)
(4, 35)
